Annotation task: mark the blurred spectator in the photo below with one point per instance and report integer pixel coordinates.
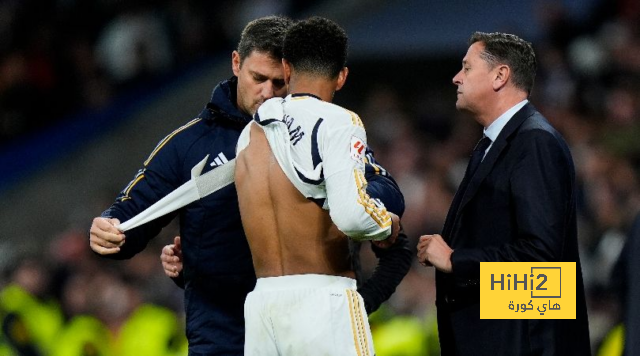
(135, 45)
(626, 281)
(30, 317)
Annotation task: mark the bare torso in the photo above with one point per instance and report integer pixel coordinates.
(287, 233)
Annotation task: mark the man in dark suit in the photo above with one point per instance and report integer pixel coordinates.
(517, 203)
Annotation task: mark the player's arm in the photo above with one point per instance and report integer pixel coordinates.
(393, 265)
(354, 212)
(393, 262)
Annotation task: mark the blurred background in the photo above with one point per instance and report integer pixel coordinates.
(87, 88)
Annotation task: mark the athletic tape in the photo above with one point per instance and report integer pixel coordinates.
(198, 187)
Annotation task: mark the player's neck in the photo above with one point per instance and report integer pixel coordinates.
(320, 87)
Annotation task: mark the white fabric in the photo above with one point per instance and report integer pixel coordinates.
(198, 187)
(306, 315)
(340, 141)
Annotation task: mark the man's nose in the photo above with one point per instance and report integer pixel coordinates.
(268, 90)
(456, 79)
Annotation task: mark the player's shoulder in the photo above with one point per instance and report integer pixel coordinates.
(271, 108)
(326, 110)
(345, 116)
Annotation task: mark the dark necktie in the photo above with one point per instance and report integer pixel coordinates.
(474, 162)
(476, 157)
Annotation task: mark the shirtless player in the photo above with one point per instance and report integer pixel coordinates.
(300, 170)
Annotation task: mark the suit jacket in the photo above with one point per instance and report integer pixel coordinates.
(520, 206)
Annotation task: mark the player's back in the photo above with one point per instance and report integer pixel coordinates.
(287, 233)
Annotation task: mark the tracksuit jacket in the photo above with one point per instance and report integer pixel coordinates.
(218, 271)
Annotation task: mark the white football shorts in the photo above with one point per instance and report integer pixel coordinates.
(310, 314)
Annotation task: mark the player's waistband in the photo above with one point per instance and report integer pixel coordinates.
(298, 281)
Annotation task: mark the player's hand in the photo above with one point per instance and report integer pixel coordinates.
(104, 237)
(434, 251)
(171, 258)
(395, 230)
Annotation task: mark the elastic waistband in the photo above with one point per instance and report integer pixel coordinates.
(298, 281)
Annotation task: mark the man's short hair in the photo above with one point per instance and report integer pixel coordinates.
(316, 46)
(518, 54)
(264, 35)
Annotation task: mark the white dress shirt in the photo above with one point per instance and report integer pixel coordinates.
(496, 127)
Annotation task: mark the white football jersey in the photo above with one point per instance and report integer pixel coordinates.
(321, 147)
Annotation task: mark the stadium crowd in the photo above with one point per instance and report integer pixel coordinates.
(588, 85)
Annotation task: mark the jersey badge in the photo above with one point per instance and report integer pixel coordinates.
(357, 149)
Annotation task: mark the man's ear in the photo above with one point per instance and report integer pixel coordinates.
(501, 78)
(235, 63)
(342, 78)
(287, 71)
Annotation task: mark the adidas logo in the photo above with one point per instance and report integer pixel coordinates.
(219, 160)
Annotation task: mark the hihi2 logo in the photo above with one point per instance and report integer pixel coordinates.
(527, 290)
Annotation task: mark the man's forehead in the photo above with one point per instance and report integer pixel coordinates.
(476, 47)
(257, 55)
(473, 52)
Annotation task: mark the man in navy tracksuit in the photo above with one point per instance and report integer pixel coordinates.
(217, 267)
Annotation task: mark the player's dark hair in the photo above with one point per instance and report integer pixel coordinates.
(264, 35)
(518, 54)
(316, 46)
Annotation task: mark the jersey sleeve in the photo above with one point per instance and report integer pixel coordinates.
(355, 213)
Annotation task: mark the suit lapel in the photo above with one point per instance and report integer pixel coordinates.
(487, 164)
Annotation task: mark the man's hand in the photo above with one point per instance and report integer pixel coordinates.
(433, 251)
(171, 258)
(395, 229)
(104, 237)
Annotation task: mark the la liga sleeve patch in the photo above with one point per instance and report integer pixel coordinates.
(358, 148)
